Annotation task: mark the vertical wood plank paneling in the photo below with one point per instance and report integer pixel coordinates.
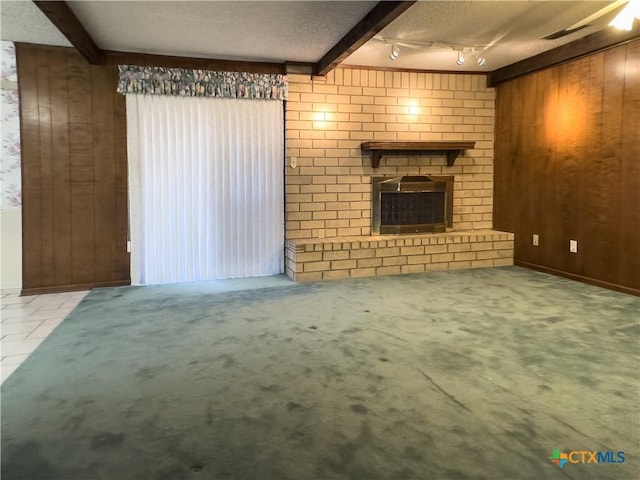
(551, 235)
(587, 142)
(82, 171)
(500, 212)
(61, 178)
(46, 166)
(74, 172)
(104, 172)
(571, 163)
(506, 163)
(30, 145)
(526, 217)
(604, 181)
(539, 164)
(120, 191)
(592, 194)
(591, 228)
(628, 258)
(567, 166)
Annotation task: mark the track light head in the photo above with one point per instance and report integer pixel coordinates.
(395, 52)
(461, 58)
(481, 60)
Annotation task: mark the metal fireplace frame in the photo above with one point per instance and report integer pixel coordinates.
(411, 183)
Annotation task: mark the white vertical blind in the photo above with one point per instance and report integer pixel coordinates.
(206, 188)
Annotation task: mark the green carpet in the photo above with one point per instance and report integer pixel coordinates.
(476, 374)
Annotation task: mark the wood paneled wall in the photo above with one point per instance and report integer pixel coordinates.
(74, 167)
(567, 166)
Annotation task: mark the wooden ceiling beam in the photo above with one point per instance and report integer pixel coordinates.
(373, 22)
(65, 20)
(607, 38)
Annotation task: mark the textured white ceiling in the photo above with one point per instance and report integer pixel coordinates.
(267, 31)
(303, 31)
(22, 21)
(505, 31)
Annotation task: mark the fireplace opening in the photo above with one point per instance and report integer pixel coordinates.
(411, 204)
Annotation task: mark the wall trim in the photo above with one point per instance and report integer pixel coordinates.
(579, 278)
(73, 288)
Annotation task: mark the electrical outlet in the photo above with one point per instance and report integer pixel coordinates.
(128, 246)
(573, 246)
(536, 240)
(294, 162)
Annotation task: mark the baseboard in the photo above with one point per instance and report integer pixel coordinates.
(73, 288)
(579, 278)
(11, 287)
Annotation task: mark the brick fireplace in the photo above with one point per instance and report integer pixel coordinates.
(329, 192)
(411, 204)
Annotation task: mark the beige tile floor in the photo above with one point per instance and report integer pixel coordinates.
(27, 321)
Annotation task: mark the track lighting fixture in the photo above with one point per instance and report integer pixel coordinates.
(474, 51)
(395, 52)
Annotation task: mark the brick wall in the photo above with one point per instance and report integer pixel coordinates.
(328, 194)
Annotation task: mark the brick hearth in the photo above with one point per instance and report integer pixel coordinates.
(358, 256)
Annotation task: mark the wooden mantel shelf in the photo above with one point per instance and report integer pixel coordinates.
(452, 149)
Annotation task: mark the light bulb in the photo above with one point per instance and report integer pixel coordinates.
(395, 52)
(624, 20)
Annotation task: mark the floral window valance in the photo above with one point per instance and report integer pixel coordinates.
(201, 83)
